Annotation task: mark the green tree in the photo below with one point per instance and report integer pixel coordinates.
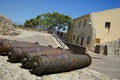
(17, 25)
(49, 20)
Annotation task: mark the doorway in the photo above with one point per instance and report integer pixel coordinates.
(82, 41)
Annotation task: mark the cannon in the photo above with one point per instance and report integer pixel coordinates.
(16, 54)
(26, 61)
(5, 45)
(1, 40)
(54, 63)
(1, 45)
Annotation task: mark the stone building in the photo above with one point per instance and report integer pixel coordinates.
(95, 28)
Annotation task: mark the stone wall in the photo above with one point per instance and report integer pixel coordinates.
(76, 49)
(113, 47)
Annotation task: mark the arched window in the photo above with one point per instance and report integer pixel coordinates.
(88, 40)
(82, 41)
(74, 37)
(77, 40)
(79, 23)
(84, 22)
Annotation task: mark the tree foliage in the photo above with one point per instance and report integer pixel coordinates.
(49, 20)
(17, 25)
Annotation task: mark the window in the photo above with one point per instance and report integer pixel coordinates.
(107, 24)
(82, 41)
(88, 40)
(84, 22)
(79, 23)
(73, 24)
(71, 39)
(74, 37)
(98, 40)
(77, 39)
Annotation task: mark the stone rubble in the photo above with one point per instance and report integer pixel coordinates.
(6, 27)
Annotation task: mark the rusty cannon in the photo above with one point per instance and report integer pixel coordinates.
(26, 61)
(1, 45)
(5, 45)
(16, 54)
(54, 63)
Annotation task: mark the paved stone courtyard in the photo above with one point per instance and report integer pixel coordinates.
(109, 65)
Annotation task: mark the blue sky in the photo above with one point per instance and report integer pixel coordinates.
(21, 10)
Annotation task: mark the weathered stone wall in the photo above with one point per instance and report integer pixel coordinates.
(101, 49)
(113, 47)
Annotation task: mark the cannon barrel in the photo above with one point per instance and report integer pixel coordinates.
(7, 44)
(54, 63)
(26, 60)
(16, 54)
(1, 43)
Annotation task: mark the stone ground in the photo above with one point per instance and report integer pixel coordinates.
(106, 64)
(31, 36)
(10, 71)
(13, 71)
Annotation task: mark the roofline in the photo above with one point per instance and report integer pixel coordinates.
(82, 16)
(94, 12)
